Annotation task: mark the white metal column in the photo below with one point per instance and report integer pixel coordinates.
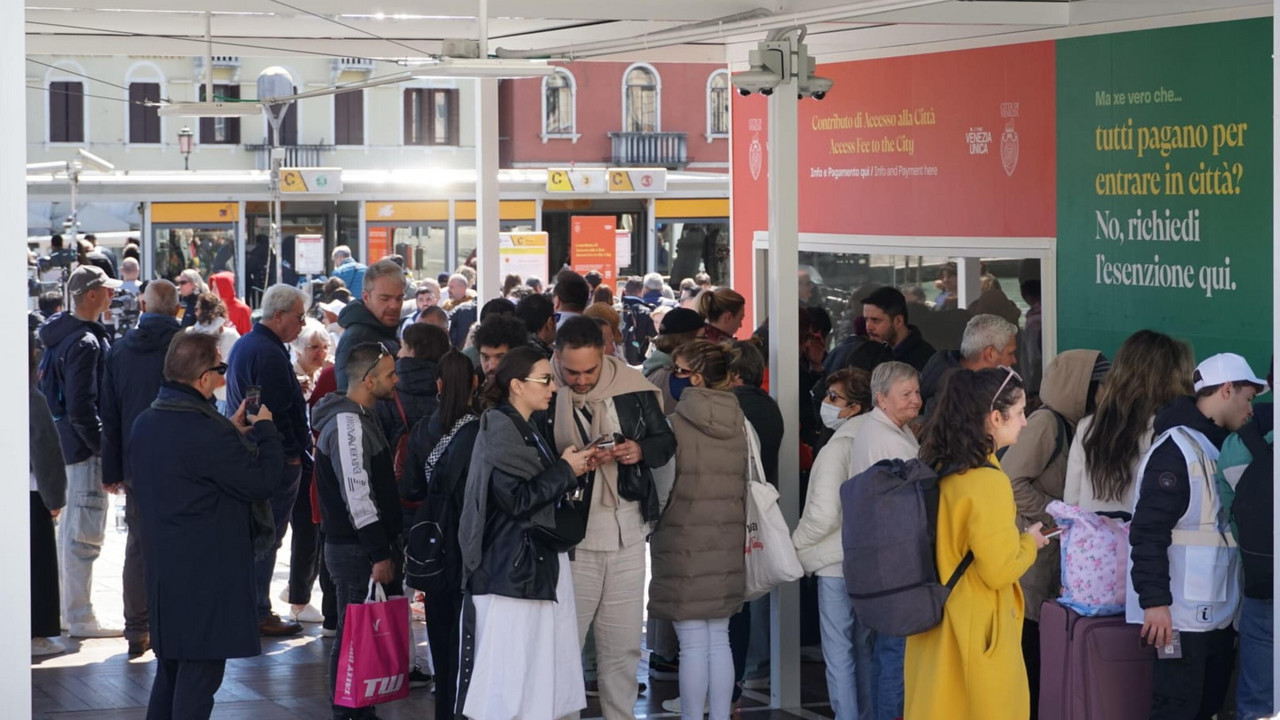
(784, 381)
(968, 280)
(241, 241)
(651, 237)
(15, 535)
(363, 241)
(146, 246)
(488, 280)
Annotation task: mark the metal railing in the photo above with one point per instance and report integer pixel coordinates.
(654, 149)
(294, 155)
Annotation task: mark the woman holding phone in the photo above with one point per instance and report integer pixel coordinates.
(970, 666)
(520, 653)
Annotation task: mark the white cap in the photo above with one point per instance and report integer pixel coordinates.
(333, 306)
(1224, 368)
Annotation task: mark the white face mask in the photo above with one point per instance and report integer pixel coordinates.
(831, 416)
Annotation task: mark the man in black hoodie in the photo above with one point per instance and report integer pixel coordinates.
(70, 372)
(1183, 578)
(355, 481)
(415, 396)
(375, 317)
(885, 312)
(989, 341)
(135, 370)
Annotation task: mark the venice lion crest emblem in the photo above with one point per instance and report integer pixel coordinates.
(1009, 149)
(755, 157)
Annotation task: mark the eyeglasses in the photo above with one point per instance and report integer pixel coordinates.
(544, 380)
(220, 368)
(183, 281)
(834, 396)
(382, 352)
(682, 372)
(1007, 378)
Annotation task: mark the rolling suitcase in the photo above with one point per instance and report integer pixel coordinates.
(1092, 668)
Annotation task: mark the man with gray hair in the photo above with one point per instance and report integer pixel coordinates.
(989, 341)
(348, 269)
(135, 370)
(375, 317)
(653, 284)
(260, 361)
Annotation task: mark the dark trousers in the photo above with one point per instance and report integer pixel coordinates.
(281, 509)
(184, 689)
(304, 555)
(444, 625)
(328, 598)
(350, 568)
(45, 605)
(739, 641)
(1194, 686)
(1031, 655)
(134, 581)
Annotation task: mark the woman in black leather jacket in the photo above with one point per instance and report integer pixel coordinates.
(520, 621)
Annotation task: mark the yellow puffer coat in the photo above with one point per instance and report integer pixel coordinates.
(970, 666)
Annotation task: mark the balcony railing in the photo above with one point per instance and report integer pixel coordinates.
(652, 149)
(294, 155)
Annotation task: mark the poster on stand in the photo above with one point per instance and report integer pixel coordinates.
(593, 245)
(308, 255)
(523, 254)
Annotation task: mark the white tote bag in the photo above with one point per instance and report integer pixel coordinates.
(771, 558)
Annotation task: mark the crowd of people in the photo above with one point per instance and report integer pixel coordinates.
(518, 462)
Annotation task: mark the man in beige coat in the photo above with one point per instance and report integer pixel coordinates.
(1037, 467)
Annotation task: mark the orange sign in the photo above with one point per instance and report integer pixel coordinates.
(379, 244)
(593, 245)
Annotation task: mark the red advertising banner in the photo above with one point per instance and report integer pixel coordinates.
(379, 244)
(593, 245)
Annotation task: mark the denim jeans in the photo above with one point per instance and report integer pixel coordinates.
(1254, 692)
(81, 530)
(847, 650)
(890, 652)
(350, 568)
(281, 509)
(706, 668)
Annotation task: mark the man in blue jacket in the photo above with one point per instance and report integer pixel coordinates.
(135, 369)
(69, 377)
(196, 478)
(261, 359)
(348, 269)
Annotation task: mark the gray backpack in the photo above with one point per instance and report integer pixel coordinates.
(889, 530)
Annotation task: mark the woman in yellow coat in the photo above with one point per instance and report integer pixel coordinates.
(970, 666)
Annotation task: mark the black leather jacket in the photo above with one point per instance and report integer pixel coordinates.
(514, 563)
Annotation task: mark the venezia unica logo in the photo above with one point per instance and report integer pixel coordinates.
(1009, 138)
(755, 152)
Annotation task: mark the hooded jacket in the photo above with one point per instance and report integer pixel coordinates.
(355, 478)
(699, 572)
(360, 326)
(1037, 474)
(352, 273)
(224, 283)
(416, 389)
(70, 378)
(135, 370)
(1163, 498)
(48, 473)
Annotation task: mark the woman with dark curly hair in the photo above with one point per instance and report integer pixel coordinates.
(970, 666)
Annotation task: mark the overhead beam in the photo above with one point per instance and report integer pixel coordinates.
(980, 12)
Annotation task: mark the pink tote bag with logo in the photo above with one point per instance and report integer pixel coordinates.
(374, 665)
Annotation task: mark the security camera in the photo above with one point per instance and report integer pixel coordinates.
(816, 87)
(756, 80)
(95, 161)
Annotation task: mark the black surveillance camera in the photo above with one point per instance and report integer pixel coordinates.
(744, 92)
(819, 95)
(767, 91)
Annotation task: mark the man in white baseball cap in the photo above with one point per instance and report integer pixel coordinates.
(1184, 580)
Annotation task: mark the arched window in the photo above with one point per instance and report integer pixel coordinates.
(641, 94)
(559, 105)
(718, 104)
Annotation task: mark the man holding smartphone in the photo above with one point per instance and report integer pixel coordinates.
(260, 361)
(603, 400)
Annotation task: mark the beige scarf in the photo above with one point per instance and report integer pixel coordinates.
(616, 378)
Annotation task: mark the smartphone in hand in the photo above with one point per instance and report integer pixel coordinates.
(252, 400)
(1051, 532)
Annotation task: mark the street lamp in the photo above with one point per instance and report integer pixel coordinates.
(185, 137)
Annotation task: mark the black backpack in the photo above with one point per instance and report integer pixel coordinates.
(637, 332)
(889, 536)
(433, 559)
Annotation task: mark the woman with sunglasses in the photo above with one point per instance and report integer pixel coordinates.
(211, 319)
(970, 666)
(190, 287)
(520, 653)
(698, 568)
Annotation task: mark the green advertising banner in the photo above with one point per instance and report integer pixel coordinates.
(1164, 188)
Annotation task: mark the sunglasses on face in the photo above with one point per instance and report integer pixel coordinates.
(543, 380)
(220, 368)
(683, 372)
(834, 396)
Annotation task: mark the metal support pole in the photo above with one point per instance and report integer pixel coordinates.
(488, 270)
(968, 280)
(784, 382)
(1275, 319)
(208, 56)
(651, 237)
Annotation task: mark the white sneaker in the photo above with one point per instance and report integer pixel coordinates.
(284, 594)
(46, 646)
(308, 614)
(760, 683)
(673, 706)
(328, 632)
(95, 629)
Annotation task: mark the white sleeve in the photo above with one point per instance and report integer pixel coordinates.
(351, 471)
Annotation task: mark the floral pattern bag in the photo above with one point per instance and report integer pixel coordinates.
(1095, 553)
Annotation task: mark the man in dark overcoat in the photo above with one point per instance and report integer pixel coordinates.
(196, 476)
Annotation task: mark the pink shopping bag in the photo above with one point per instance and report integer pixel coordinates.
(374, 665)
